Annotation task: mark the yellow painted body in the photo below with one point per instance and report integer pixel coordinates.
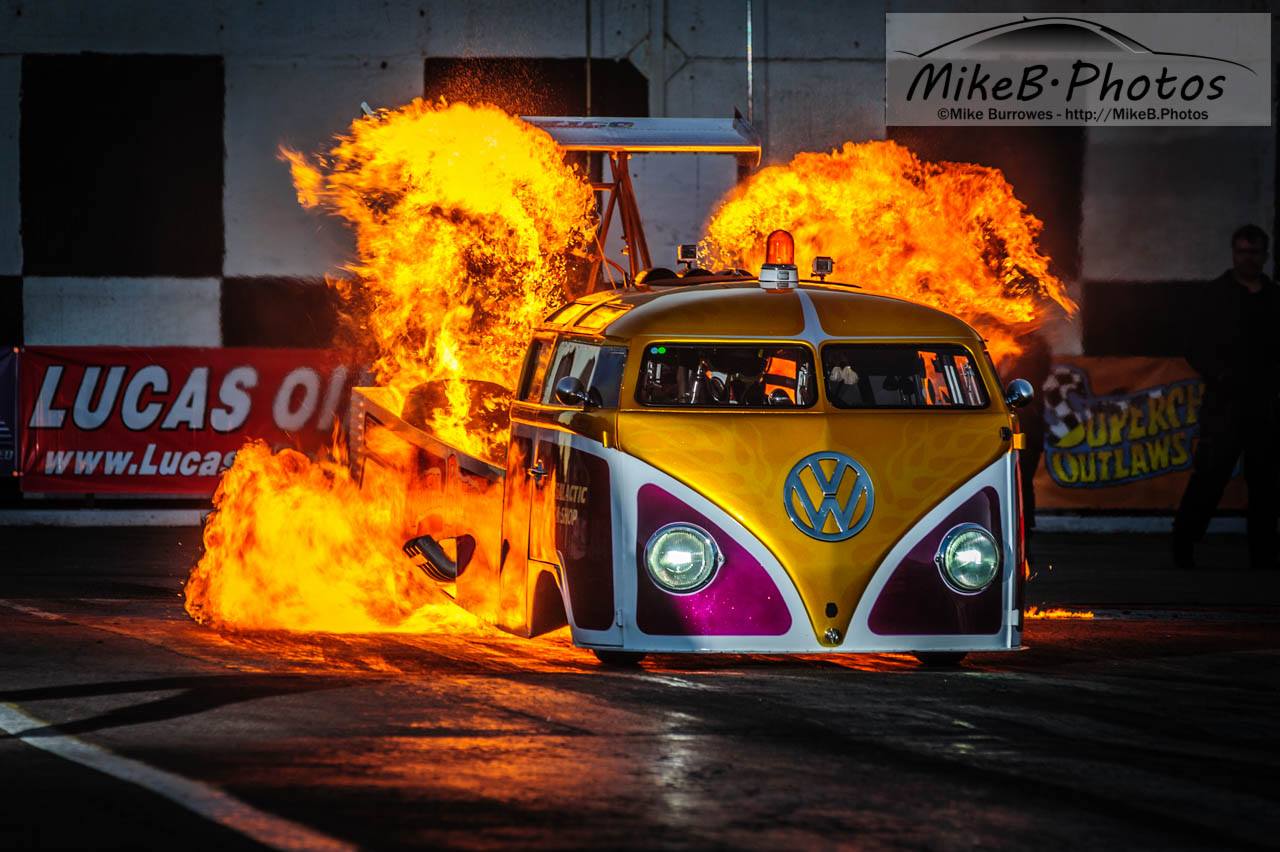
(739, 459)
(740, 462)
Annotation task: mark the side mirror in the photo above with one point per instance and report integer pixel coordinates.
(569, 391)
(1019, 393)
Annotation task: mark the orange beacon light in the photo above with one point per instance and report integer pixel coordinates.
(778, 274)
(780, 249)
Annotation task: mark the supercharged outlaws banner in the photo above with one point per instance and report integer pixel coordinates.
(166, 420)
(1120, 434)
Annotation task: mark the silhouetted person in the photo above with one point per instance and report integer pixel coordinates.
(1235, 346)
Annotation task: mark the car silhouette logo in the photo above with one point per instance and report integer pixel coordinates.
(829, 496)
(1049, 35)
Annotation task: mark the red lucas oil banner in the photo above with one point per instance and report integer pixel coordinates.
(1120, 435)
(166, 420)
(8, 412)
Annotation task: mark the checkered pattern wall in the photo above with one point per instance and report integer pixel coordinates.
(154, 210)
(127, 226)
(142, 200)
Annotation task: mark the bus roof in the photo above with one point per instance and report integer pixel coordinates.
(741, 308)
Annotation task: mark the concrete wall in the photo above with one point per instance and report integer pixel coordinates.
(1161, 204)
(10, 208)
(299, 103)
(296, 71)
(121, 311)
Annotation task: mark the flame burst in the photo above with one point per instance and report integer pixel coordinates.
(465, 220)
(948, 235)
(295, 544)
(1056, 612)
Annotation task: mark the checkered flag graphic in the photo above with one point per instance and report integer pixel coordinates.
(1066, 400)
(1069, 402)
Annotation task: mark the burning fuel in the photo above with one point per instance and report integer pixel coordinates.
(466, 222)
(949, 235)
(294, 544)
(1056, 612)
(468, 227)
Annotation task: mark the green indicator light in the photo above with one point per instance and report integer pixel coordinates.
(662, 350)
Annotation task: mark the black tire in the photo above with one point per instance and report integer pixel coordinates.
(940, 659)
(619, 659)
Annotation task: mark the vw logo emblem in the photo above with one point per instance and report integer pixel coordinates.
(829, 496)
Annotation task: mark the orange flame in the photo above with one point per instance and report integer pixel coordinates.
(465, 220)
(948, 235)
(1056, 612)
(294, 544)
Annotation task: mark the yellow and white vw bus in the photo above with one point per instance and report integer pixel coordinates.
(719, 463)
(727, 462)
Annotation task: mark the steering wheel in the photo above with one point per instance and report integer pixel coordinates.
(779, 398)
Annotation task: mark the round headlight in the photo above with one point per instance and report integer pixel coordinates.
(969, 558)
(682, 558)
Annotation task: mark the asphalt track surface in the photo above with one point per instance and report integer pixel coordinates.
(1152, 726)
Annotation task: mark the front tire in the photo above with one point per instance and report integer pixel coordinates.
(619, 659)
(939, 659)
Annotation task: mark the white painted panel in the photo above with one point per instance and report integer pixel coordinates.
(138, 26)
(302, 105)
(676, 194)
(328, 28)
(10, 206)
(1161, 204)
(817, 106)
(322, 28)
(795, 29)
(708, 87)
(712, 28)
(821, 29)
(555, 28)
(617, 26)
(121, 311)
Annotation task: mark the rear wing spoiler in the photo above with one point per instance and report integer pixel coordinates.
(652, 135)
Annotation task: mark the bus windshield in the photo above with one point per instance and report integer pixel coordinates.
(727, 376)
(901, 376)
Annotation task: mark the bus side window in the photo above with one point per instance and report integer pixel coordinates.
(535, 370)
(572, 359)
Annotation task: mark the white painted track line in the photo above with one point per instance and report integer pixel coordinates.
(31, 516)
(30, 610)
(199, 798)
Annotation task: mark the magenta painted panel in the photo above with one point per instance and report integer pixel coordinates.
(584, 535)
(742, 599)
(917, 601)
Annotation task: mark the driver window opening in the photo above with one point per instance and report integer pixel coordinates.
(598, 368)
(572, 359)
